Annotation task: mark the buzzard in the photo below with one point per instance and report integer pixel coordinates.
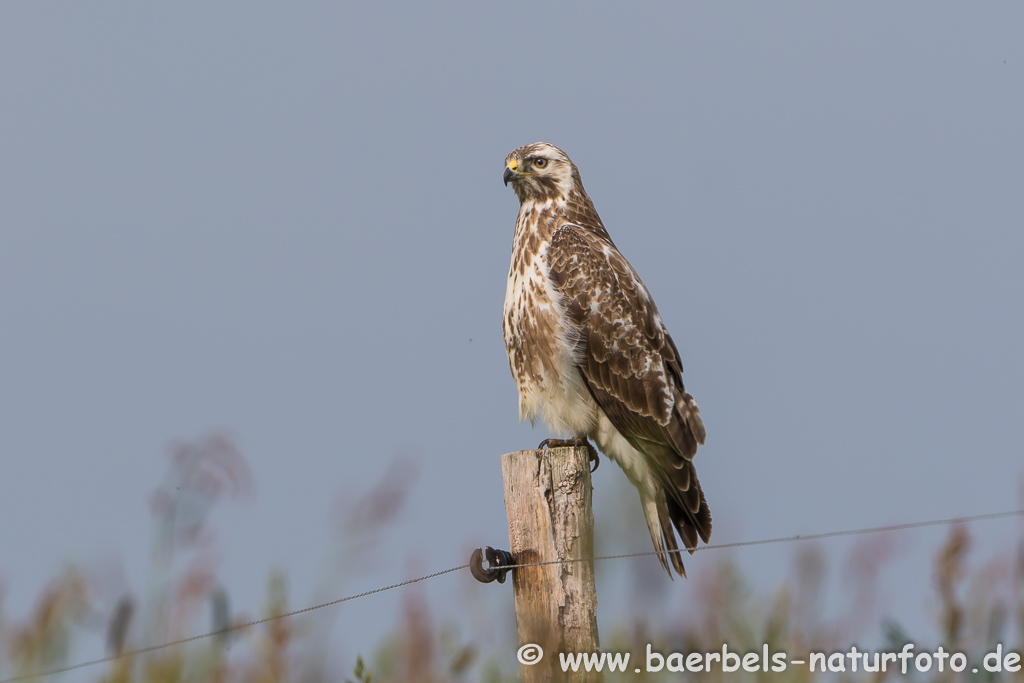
(590, 354)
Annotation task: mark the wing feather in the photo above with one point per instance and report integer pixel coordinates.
(631, 366)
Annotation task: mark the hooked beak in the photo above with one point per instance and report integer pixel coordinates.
(509, 175)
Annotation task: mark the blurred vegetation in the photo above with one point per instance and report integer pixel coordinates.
(976, 607)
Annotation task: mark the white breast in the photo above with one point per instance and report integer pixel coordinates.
(540, 343)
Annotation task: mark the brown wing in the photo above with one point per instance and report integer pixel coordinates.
(632, 367)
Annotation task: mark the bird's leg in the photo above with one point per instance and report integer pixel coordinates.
(578, 442)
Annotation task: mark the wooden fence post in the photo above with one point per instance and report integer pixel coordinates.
(551, 517)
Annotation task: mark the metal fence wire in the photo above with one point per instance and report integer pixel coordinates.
(721, 546)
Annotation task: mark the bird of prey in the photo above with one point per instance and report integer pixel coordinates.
(590, 354)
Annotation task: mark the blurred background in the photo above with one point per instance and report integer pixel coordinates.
(252, 265)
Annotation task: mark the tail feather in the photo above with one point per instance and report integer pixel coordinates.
(668, 511)
(663, 473)
(659, 525)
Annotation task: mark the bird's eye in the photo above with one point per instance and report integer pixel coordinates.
(540, 163)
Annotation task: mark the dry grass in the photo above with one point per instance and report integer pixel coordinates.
(977, 606)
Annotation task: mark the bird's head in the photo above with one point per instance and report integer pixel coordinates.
(540, 171)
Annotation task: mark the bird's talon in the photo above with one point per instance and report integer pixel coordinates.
(592, 455)
(557, 443)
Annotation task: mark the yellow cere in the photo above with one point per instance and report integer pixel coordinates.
(514, 165)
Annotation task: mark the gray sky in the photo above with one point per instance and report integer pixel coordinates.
(288, 222)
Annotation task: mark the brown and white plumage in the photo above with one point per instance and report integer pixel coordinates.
(590, 353)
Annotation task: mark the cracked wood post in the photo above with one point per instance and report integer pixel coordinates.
(551, 517)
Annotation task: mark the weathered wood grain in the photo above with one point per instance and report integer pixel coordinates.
(548, 499)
